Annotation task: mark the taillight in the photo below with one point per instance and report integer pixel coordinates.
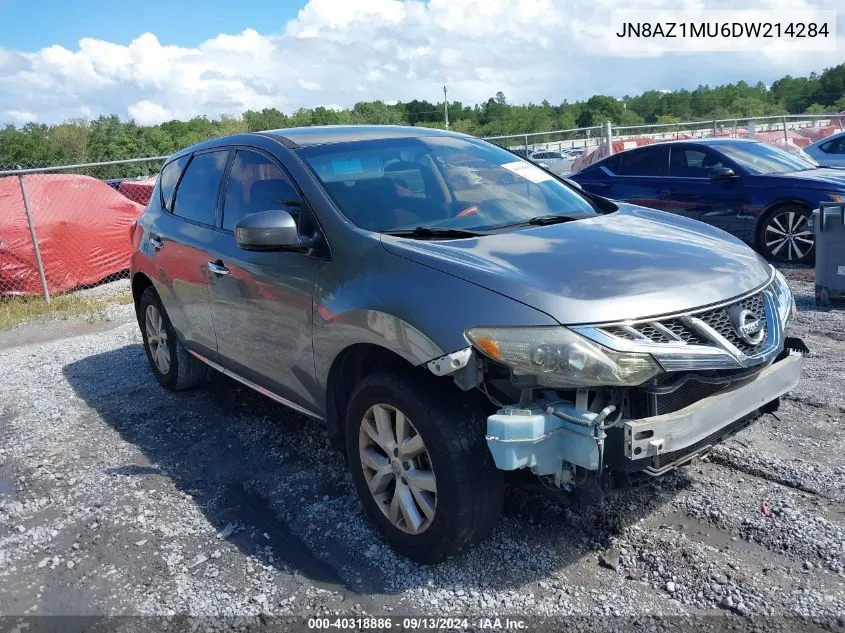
(132, 228)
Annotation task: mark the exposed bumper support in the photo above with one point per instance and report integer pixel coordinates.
(538, 438)
(676, 431)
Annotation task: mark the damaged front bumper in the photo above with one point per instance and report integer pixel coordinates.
(555, 439)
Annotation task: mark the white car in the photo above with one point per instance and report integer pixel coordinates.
(553, 161)
(830, 151)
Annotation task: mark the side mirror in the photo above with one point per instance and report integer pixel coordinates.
(722, 174)
(267, 231)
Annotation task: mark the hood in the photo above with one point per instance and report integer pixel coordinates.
(827, 178)
(631, 264)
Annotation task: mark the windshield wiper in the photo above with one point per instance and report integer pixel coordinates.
(543, 220)
(434, 231)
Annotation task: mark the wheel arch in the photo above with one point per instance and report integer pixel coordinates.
(140, 282)
(349, 367)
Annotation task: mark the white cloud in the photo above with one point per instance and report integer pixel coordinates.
(343, 51)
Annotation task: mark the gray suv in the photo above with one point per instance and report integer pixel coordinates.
(451, 330)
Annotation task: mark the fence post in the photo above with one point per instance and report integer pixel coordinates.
(714, 127)
(34, 241)
(608, 137)
(526, 143)
(785, 135)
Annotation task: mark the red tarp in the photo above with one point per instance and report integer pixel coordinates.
(138, 190)
(82, 226)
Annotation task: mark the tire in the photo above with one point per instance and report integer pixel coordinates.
(181, 370)
(469, 493)
(776, 228)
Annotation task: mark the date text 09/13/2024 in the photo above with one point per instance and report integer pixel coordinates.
(417, 623)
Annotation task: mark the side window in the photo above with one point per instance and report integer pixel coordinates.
(651, 161)
(196, 197)
(168, 179)
(611, 164)
(836, 146)
(692, 163)
(257, 184)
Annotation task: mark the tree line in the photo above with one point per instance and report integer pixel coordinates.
(109, 138)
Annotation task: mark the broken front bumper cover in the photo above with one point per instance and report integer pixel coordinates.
(681, 429)
(534, 438)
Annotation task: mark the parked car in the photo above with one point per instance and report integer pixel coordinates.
(448, 335)
(757, 192)
(830, 151)
(553, 161)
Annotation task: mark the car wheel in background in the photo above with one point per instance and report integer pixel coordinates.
(172, 365)
(785, 235)
(421, 466)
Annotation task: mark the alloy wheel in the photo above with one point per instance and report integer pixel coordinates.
(397, 468)
(157, 339)
(788, 237)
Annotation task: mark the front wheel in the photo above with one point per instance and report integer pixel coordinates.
(785, 235)
(421, 466)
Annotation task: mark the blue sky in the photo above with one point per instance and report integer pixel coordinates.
(29, 25)
(159, 60)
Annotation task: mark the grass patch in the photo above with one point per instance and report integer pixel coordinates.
(16, 311)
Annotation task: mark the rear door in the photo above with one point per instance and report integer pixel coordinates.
(637, 176)
(690, 192)
(180, 236)
(262, 301)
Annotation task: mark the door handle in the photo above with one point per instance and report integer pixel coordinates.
(155, 242)
(603, 185)
(218, 268)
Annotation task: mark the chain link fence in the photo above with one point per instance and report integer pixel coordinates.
(67, 227)
(581, 146)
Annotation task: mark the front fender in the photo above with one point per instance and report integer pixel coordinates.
(415, 311)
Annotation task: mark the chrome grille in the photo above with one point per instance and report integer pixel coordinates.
(683, 332)
(721, 322)
(700, 340)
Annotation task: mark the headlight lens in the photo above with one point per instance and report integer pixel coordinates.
(783, 296)
(561, 358)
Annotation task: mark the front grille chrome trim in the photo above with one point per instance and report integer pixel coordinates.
(693, 344)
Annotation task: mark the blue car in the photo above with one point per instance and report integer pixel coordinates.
(758, 193)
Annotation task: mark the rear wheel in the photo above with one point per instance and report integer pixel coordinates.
(785, 236)
(421, 466)
(171, 364)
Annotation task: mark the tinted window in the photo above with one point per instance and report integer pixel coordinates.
(168, 179)
(692, 163)
(257, 184)
(196, 198)
(759, 158)
(651, 161)
(836, 146)
(444, 181)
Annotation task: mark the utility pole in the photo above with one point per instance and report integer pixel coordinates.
(446, 106)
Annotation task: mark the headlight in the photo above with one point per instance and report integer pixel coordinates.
(783, 296)
(561, 358)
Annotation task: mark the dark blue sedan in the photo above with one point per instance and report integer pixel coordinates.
(759, 193)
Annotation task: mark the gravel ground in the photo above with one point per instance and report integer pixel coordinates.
(117, 497)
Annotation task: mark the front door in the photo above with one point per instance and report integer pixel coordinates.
(261, 302)
(690, 192)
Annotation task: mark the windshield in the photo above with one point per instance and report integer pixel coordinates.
(439, 181)
(758, 158)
